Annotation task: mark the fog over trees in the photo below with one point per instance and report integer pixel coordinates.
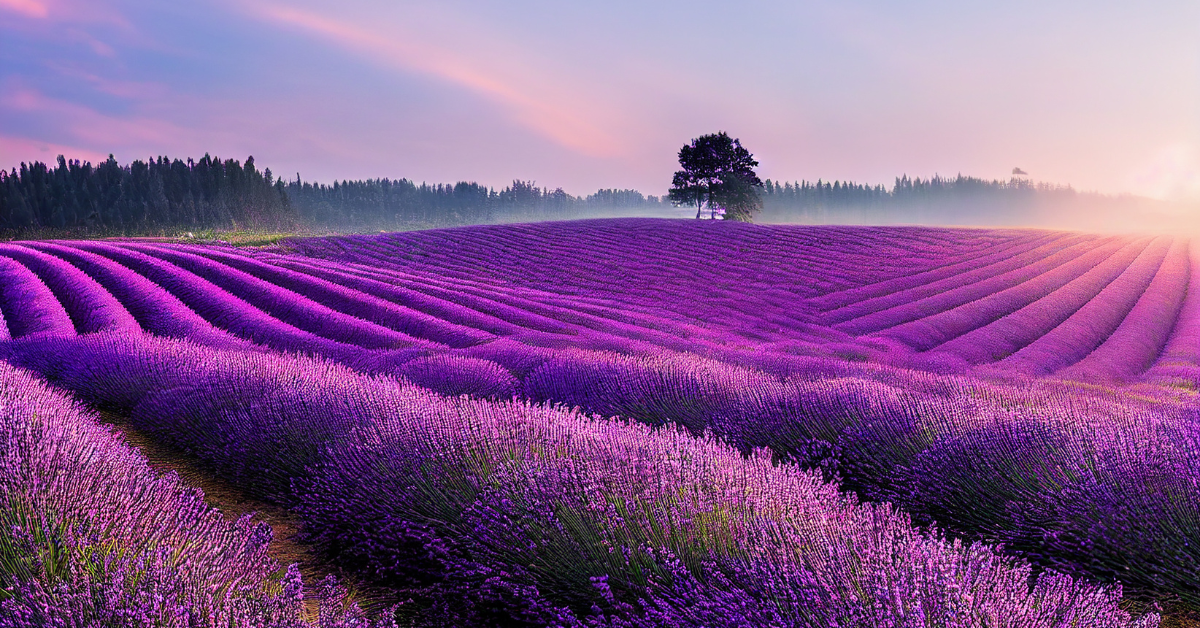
(163, 195)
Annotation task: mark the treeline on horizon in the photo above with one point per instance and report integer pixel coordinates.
(400, 201)
(942, 200)
(165, 195)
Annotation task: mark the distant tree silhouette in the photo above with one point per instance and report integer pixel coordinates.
(945, 200)
(161, 195)
(143, 196)
(716, 170)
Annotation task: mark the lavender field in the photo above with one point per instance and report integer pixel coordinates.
(607, 423)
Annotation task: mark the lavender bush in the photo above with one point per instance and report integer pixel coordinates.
(90, 535)
(508, 513)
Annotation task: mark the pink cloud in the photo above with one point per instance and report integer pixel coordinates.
(100, 48)
(94, 24)
(58, 12)
(88, 127)
(14, 150)
(21, 99)
(560, 122)
(28, 8)
(132, 90)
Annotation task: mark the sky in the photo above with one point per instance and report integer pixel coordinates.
(1104, 96)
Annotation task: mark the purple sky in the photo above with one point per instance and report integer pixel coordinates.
(1099, 95)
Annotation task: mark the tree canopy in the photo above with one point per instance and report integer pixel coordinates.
(717, 170)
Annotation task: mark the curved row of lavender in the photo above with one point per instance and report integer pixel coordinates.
(744, 331)
(1027, 302)
(90, 535)
(478, 512)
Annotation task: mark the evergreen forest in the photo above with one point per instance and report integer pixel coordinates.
(163, 195)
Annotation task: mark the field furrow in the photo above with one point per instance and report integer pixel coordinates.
(1095, 321)
(836, 300)
(282, 304)
(1178, 363)
(418, 301)
(943, 327)
(1139, 340)
(220, 308)
(354, 302)
(1016, 330)
(497, 303)
(90, 306)
(28, 305)
(909, 305)
(155, 310)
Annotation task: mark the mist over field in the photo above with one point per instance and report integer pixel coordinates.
(1054, 209)
(173, 196)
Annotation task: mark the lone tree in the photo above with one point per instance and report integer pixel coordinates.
(718, 171)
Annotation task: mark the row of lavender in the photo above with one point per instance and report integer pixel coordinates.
(91, 536)
(206, 296)
(1102, 484)
(729, 285)
(648, 263)
(1098, 309)
(1099, 484)
(302, 303)
(229, 301)
(1087, 307)
(503, 513)
(1062, 475)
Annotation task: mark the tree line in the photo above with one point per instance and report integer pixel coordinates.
(947, 200)
(717, 173)
(141, 196)
(400, 201)
(165, 195)
(801, 193)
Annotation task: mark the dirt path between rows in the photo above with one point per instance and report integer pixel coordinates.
(233, 503)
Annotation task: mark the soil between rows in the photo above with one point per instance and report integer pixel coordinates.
(234, 503)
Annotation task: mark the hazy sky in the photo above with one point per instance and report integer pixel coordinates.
(585, 95)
